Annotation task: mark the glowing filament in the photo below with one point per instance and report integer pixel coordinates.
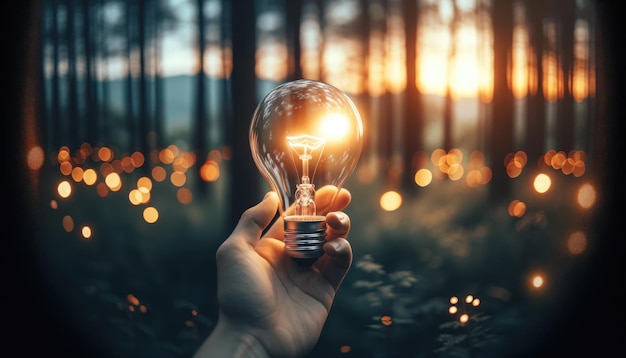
(305, 145)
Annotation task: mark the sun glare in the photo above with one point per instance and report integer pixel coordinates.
(334, 126)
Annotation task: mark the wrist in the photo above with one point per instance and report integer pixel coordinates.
(229, 340)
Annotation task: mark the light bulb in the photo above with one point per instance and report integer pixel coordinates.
(304, 135)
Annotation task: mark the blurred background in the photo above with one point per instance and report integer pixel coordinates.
(483, 203)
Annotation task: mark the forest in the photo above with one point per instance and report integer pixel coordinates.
(482, 202)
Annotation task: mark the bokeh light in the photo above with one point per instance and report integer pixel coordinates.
(86, 232)
(113, 181)
(423, 177)
(390, 200)
(577, 242)
(150, 215)
(64, 189)
(542, 183)
(35, 158)
(386, 320)
(90, 176)
(67, 223)
(586, 196)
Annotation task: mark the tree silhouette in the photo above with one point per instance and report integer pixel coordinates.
(501, 135)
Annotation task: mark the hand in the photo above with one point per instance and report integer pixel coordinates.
(270, 305)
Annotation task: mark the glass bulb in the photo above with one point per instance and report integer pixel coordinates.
(304, 135)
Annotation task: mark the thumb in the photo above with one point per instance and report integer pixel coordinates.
(254, 220)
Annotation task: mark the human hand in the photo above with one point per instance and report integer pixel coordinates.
(270, 305)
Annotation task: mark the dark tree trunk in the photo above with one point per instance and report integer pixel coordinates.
(447, 118)
(565, 106)
(55, 115)
(363, 100)
(199, 131)
(535, 120)
(72, 95)
(103, 51)
(501, 135)
(448, 106)
(413, 111)
(143, 129)
(244, 186)
(385, 113)
(91, 111)
(293, 12)
(130, 113)
(226, 42)
(159, 99)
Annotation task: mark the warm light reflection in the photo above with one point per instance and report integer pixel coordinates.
(552, 73)
(395, 67)
(537, 281)
(144, 182)
(184, 196)
(210, 171)
(580, 81)
(586, 196)
(159, 174)
(178, 178)
(77, 174)
(520, 52)
(113, 181)
(217, 62)
(423, 177)
(334, 126)
(65, 168)
(35, 158)
(68, 223)
(517, 208)
(64, 189)
(542, 183)
(86, 232)
(150, 215)
(390, 201)
(271, 60)
(386, 320)
(468, 305)
(90, 176)
(105, 154)
(577, 242)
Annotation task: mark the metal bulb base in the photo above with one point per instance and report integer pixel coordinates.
(304, 238)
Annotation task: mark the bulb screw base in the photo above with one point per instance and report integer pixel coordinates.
(304, 237)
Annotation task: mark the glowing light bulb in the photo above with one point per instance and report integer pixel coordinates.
(304, 135)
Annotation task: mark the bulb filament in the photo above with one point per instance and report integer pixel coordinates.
(304, 145)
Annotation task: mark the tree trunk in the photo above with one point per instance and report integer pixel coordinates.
(72, 96)
(413, 111)
(244, 186)
(501, 136)
(130, 113)
(199, 131)
(143, 129)
(293, 12)
(565, 107)
(55, 113)
(535, 121)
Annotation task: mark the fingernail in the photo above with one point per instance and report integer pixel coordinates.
(340, 216)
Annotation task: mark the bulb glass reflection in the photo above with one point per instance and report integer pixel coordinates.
(304, 135)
